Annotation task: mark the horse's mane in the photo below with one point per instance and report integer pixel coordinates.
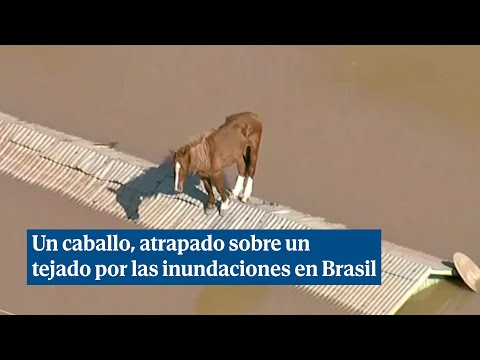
(196, 139)
(199, 151)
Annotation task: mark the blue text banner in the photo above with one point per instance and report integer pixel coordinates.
(203, 257)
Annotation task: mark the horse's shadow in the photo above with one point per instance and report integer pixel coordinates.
(155, 181)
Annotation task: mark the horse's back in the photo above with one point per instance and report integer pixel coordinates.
(246, 117)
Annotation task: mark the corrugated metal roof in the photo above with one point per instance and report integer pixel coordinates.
(400, 278)
(125, 186)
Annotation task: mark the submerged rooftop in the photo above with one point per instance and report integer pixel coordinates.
(134, 189)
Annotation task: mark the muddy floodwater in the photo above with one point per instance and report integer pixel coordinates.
(369, 136)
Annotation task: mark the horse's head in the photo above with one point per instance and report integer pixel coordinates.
(181, 166)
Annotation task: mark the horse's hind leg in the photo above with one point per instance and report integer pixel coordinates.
(210, 206)
(221, 189)
(242, 173)
(251, 169)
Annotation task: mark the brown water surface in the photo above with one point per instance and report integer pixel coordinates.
(369, 136)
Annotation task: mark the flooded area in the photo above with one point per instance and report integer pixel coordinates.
(25, 206)
(369, 136)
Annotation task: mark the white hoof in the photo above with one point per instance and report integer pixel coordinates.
(237, 190)
(224, 207)
(209, 209)
(247, 192)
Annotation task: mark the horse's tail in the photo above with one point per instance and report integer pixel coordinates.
(247, 156)
(252, 137)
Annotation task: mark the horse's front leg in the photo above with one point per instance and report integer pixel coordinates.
(210, 206)
(221, 189)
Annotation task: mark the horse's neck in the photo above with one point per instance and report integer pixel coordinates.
(200, 156)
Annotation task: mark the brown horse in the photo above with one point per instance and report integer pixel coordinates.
(236, 141)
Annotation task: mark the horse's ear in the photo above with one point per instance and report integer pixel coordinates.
(172, 152)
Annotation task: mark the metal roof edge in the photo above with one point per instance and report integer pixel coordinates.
(438, 266)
